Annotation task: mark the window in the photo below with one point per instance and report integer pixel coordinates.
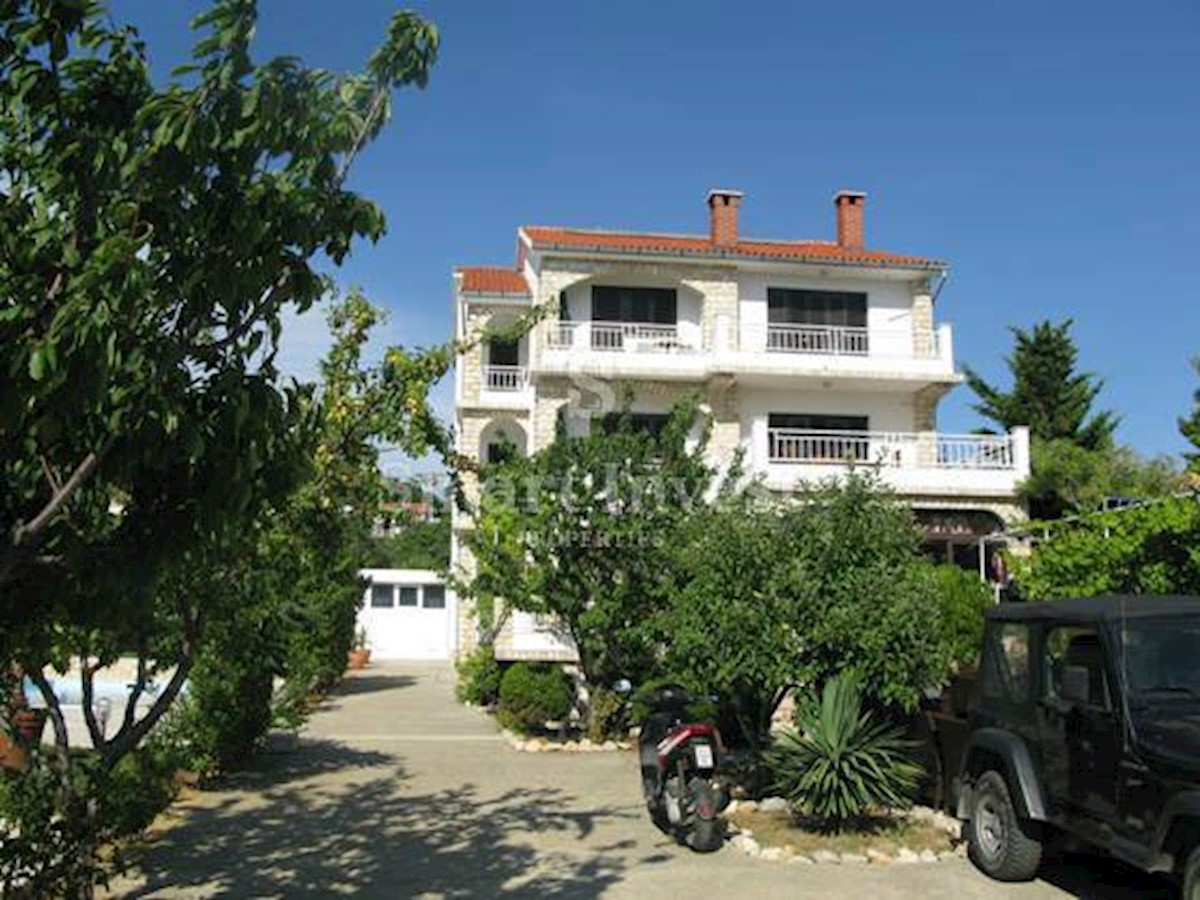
(802, 436)
(435, 597)
(634, 304)
(381, 596)
(408, 596)
(1077, 649)
(788, 306)
(640, 423)
(1006, 662)
(503, 353)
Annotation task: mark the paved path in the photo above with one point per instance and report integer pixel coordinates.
(399, 792)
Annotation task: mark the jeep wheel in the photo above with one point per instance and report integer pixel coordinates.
(1191, 877)
(996, 842)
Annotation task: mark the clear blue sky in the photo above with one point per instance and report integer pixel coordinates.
(1050, 151)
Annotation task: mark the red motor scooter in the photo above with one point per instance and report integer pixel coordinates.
(680, 762)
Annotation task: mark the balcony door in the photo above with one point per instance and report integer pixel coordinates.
(803, 437)
(803, 321)
(638, 313)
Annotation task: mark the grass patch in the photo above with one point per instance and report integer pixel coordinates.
(883, 833)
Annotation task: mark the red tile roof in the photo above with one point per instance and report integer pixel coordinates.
(689, 245)
(492, 280)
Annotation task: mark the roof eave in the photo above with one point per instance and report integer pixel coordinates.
(734, 256)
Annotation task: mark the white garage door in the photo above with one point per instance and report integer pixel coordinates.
(405, 618)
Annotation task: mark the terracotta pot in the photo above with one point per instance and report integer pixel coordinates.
(358, 659)
(30, 723)
(12, 755)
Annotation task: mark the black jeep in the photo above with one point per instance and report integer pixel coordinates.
(1086, 722)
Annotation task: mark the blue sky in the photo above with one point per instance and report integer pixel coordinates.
(1047, 150)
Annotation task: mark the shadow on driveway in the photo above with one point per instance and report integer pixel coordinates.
(361, 832)
(1098, 877)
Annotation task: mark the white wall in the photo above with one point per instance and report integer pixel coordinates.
(409, 632)
(889, 309)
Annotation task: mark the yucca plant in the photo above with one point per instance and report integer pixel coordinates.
(841, 764)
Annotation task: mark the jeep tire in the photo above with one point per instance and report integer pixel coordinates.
(1191, 876)
(996, 841)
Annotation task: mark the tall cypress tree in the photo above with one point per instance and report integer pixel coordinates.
(1047, 394)
(1190, 427)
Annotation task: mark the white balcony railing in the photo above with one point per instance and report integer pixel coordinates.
(821, 339)
(504, 378)
(622, 337)
(892, 449)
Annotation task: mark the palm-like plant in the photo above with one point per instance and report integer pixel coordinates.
(841, 763)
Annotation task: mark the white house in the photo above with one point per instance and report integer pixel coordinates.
(806, 353)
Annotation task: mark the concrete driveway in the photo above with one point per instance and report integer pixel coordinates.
(397, 791)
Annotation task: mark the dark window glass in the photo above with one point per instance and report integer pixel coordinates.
(1078, 648)
(809, 422)
(408, 596)
(501, 452)
(1006, 662)
(435, 597)
(634, 304)
(503, 353)
(789, 306)
(641, 423)
(381, 596)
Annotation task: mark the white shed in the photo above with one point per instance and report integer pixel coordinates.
(409, 614)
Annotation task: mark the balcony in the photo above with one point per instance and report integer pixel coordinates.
(617, 337)
(821, 339)
(504, 378)
(909, 462)
(608, 349)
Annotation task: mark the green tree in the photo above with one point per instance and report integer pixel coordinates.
(1055, 401)
(150, 237)
(1190, 427)
(580, 531)
(1048, 395)
(1152, 549)
(1068, 478)
(769, 594)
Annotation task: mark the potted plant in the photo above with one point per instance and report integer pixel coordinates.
(360, 653)
(23, 725)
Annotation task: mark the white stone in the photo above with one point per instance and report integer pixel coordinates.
(773, 805)
(749, 806)
(878, 857)
(928, 856)
(731, 808)
(904, 856)
(853, 858)
(772, 854)
(825, 856)
(800, 861)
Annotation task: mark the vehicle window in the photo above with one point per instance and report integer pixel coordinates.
(1006, 662)
(1080, 649)
(381, 596)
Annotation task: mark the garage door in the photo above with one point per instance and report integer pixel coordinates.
(408, 620)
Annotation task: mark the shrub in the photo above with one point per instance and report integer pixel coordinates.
(842, 765)
(532, 694)
(50, 841)
(608, 715)
(962, 598)
(227, 710)
(479, 677)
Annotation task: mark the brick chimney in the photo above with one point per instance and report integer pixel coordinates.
(850, 206)
(723, 217)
